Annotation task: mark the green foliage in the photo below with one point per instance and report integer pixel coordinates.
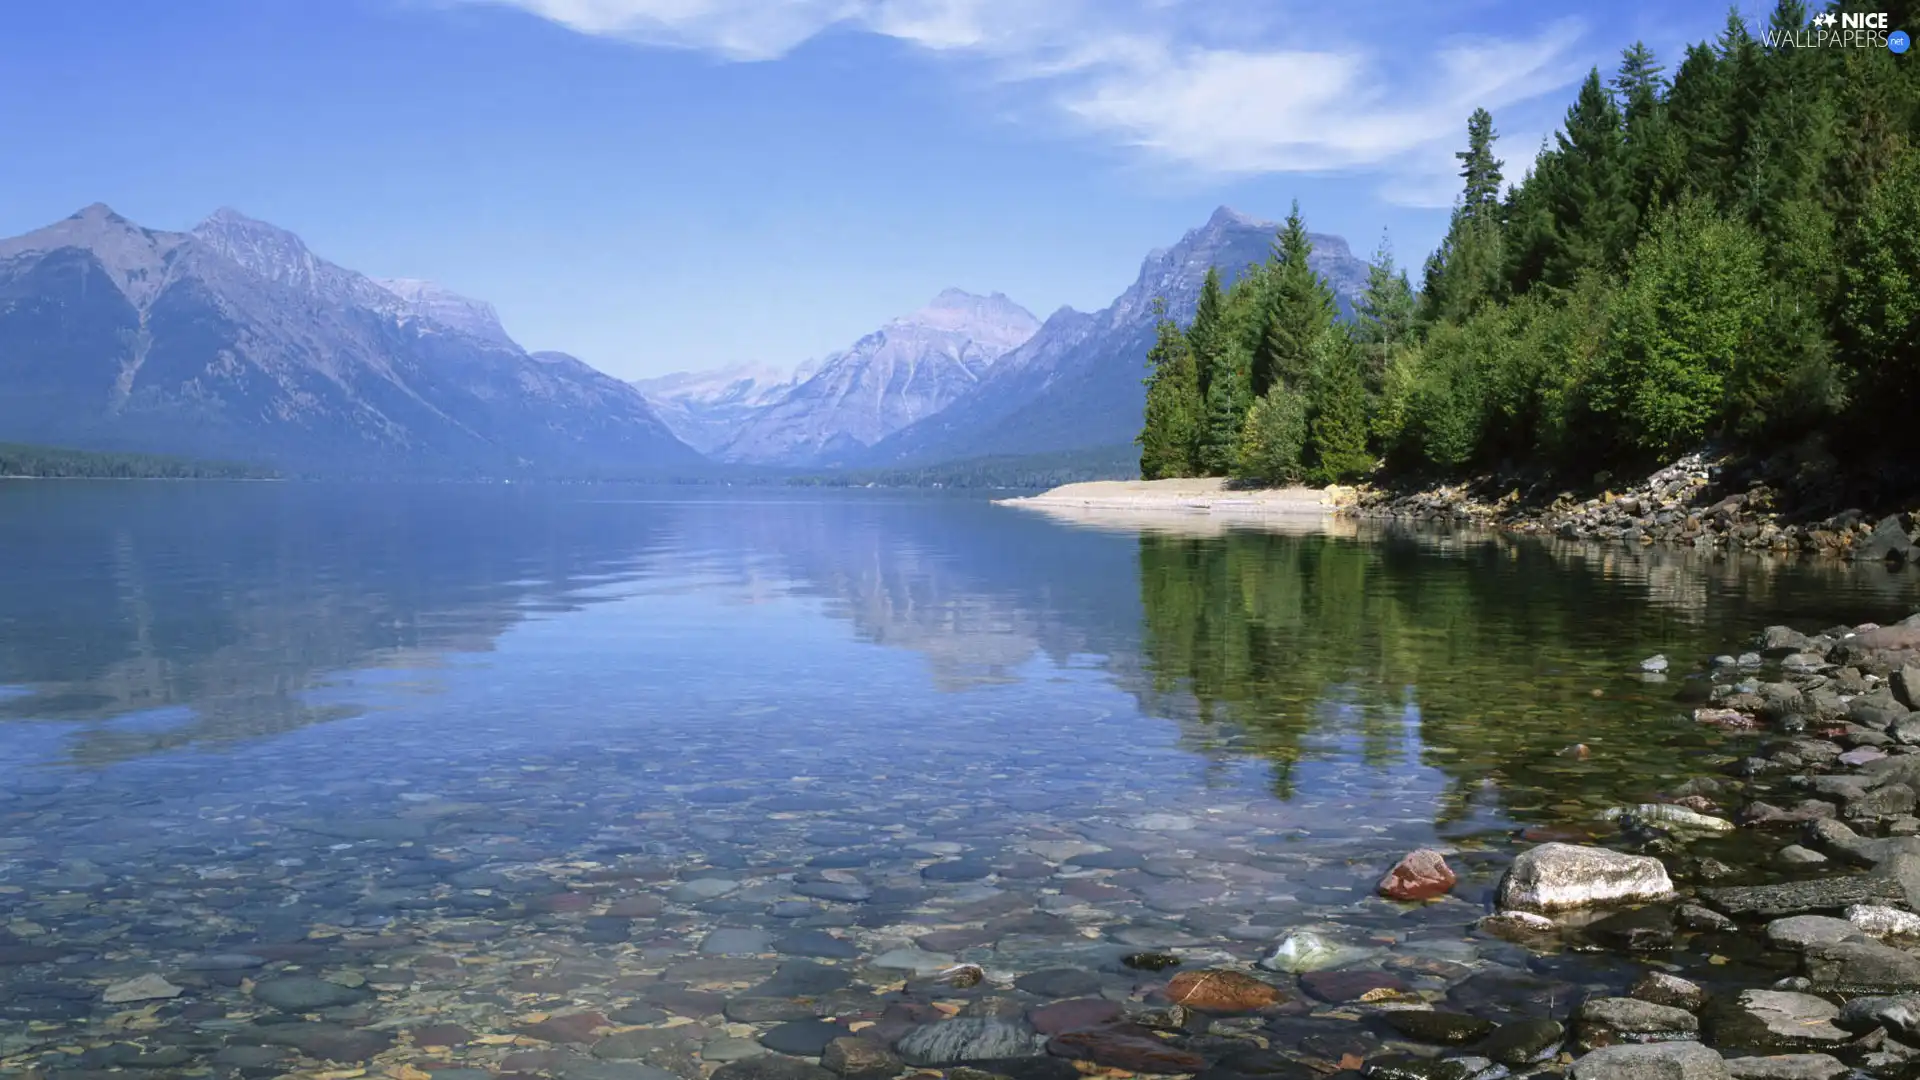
(1692, 307)
(1301, 308)
(1385, 316)
(1228, 399)
(1274, 439)
(1881, 313)
(1174, 406)
(1338, 432)
(54, 462)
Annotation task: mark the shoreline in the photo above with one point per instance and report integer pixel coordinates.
(1198, 495)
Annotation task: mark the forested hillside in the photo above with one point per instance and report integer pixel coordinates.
(1729, 254)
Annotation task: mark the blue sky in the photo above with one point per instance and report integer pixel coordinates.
(657, 185)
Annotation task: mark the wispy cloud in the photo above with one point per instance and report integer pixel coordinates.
(1215, 87)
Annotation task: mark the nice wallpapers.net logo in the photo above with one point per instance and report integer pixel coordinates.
(1844, 30)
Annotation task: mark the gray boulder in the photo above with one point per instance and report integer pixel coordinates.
(1562, 877)
(1655, 1061)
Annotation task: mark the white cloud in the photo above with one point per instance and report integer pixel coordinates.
(1214, 87)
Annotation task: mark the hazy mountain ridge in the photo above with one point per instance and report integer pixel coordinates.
(1077, 383)
(909, 369)
(235, 339)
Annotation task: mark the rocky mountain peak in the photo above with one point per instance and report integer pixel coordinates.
(438, 304)
(268, 251)
(994, 321)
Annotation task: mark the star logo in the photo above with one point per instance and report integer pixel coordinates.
(1825, 18)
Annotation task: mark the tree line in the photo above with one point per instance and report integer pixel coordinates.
(1731, 254)
(17, 459)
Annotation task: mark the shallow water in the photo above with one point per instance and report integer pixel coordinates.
(492, 753)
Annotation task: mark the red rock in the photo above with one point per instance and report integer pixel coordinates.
(1219, 990)
(1125, 1047)
(1422, 875)
(1344, 986)
(1073, 1014)
(571, 1028)
(1699, 804)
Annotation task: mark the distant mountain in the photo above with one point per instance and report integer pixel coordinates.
(1076, 384)
(705, 409)
(909, 369)
(234, 340)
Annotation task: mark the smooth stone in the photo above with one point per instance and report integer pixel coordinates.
(1653, 1061)
(1899, 1014)
(792, 909)
(328, 1042)
(1857, 967)
(968, 1039)
(816, 943)
(305, 993)
(1610, 1021)
(1442, 1028)
(1559, 877)
(1120, 1047)
(1777, 1020)
(1107, 860)
(1303, 951)
(1073, 1014)
(801, 978)
(1670, 990)
(957, 870)
(1523, 1042)
(1795, 855)
(802, 1038)
(145, 988)
(1884, 922)
(729, 1048)
(732, 941)
(912, 960)
(1803, 932)
(860, 1059)
(840, 892)
(754, 1010)
(1642, 929)
(1344, 986)
(771, 1067)
(1059, 983)
(1787, 1067)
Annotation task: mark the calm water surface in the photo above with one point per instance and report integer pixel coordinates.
(484, 755)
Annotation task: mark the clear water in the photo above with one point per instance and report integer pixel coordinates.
(473, 750)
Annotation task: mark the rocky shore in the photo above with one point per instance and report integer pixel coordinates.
(1756, 925)
(1698, 501)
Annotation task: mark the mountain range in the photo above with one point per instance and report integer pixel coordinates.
(831, 411)
(1072, 383)
(235, 340)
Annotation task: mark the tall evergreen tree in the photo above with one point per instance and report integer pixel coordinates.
(1479, 168)
(1173, 412)
(1338, 427)
(1226, 405)
(1592, 220)
(1649, 141)
(1206, 335)
(1384, 316)
(1300, 308)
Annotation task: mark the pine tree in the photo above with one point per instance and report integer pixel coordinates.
(1338, 428)
(1169, 433)
(1649, 140)
(1227, 402)
(1479, 168)
(1385, 314)
(1300, 308)
(1207, 333)
(1592, 220)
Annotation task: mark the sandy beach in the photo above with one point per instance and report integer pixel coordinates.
(1206, 504)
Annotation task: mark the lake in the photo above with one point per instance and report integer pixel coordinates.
(612, 783)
